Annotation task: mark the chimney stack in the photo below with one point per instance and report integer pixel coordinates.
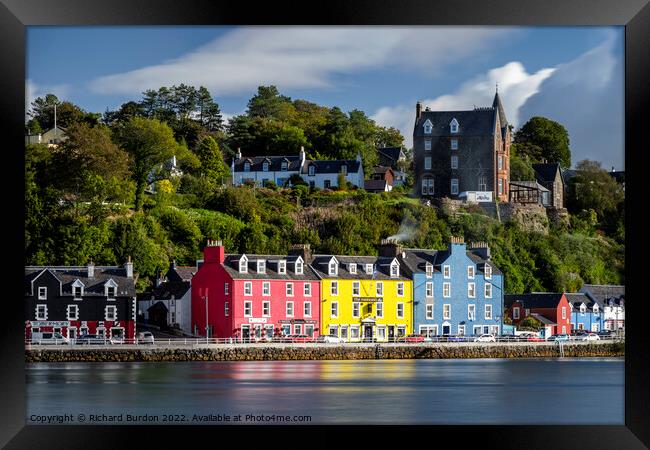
(214, 252)
(91, 269)
(302, 156)
(481, 249)
(418, 110)
(238, 153)
(390, 248)
(129, 267)
(302, 250)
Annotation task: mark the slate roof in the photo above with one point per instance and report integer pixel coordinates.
(576, 299)
(535, 300)
(275, 163)
(92, 286)
(543, 319)
(374, 185)
(231, 265)
(381, 264)
(619, 176)
(416, 259)
(499, 107)
(166, 290)
(546, 172)
(333, 166)
(181, 273)
(602, 293)
(388, 156)
(529, 184)
(478, 122)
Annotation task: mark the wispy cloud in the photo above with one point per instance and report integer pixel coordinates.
(304, 57)
(33, 91)
(515, 87)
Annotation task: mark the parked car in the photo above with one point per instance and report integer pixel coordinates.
(605, 333)
(329, 339)
(49, 338)
(145, 337)
(93, 339)
(485, 338)
(412, 338)
(588, 337)
(534, 338)
(558, 338)
(299, 338)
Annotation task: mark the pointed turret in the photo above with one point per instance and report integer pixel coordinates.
(497, 104)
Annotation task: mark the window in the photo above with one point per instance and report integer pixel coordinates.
(429, 289)
(488, 290)
(356, 288)
(428, 126)
(471, 312)
(429, 312)
(583, 309)
(261, 266)
(354, 332)
(247, 167)
(327, 184)
(111, 313)
(454, 185)
(429, 270)
(380, 289)
(307, 309)
(333, 268)
(243, 265)
(488, 272)
(248, 309)
(289, 309)
(454, 126)
(73, 312)
(226, 309)
(266, 288)
(500, 186)
(488, 312)
(381, 333)
(41, 312)
(427, 186)
(446, 290)
(394, 270)
(380, 309)
(368, 269)
(307, 290)
(266, 309)
(564, 312)
(248, 288)
(563, 329)
(334, 310)
(333, 330)
(344, 169)
(482, 183)
(446, 311)
(285, 166)
(289, 289)
(461, 330)
(471, 290)
(427, 144)
(400, 310)
(282, 267)
(42, 293)
(446, 271)
(77, 289)
(454, 144)
(299, 267)
(427, 163)
(265, 166)
(335, 288)
(470, 272)
(226, 288)
(352, 268)
(286, 329)
(515, 313)
(400, 289)
(454, 162)
(500, 163)
(312, 171)
(355, 309)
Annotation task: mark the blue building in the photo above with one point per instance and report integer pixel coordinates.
(456, 291)
(586, 314)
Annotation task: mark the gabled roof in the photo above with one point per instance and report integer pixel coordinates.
(389, 156)
(535, 300)
(374, 185)
(478, 122)
(576, 299)
(257, 163)
(543, 319)
(602, 293)
(546, 173)
(166, 290)
(92, 286)
(181, 273)
(333, 166)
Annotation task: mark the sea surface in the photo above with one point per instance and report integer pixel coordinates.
(464, 391)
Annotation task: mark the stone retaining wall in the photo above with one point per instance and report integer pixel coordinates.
(270, 353)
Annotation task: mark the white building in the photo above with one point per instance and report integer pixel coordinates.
(325, 174)
(611, 298)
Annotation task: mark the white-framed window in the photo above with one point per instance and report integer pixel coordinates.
(583, 309)
(110, 313)
(564, 312)
(470, 272)
(471, 290)
(73, 312)
(427, 186)
(515, 313)
(334, 309)
(427, 163)
(226, 309)
(247, 167)
(461, 330)
(265, 166)
(488, 290)
(289, 289)
(333, 268)
(261, 266)
(248, 309)
(243, 265)
(400, 310)
(42, 293)
(454, 185)
(41, 312)
(356, 288)
(446, 311)
(352, 268)
(77, 289)
(289, 309)
(453, 126)
(500, 163)
(344, 169)
(335, 288)
(333, 330)
(226, 288)
(381, 333)
(494, 329)
(429, 270)
(446, 290)
(282, 267)
(400, 289)
(563, 329)
(248, 288)
(471, 312)
(482, 183)
(596, 310)
(454, 144)
(355, 309)
(500, 186)
(427, 144)
(307, 309)
(380, 289)
(369, 269)
(488, 271)
(284, 166)
(312, 170)
(394, 270)
(380, 309)
(299, 267)
(307, 289)
(428, 127)
(344, 331)
(354, 332)
(446, 271)
(429, 289)
(266, 288)
(454, 162)
(488, 312)
(266, 309)
(429, 312)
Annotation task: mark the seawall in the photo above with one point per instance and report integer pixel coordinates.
(328, 352)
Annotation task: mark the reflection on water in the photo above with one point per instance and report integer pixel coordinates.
(490, 391)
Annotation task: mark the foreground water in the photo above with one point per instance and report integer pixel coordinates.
(488, 391)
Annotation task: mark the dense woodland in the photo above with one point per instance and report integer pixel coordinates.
(87, 199)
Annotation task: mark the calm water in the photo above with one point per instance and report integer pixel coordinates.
(488, 391)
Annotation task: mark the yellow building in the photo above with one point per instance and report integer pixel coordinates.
(364, 297)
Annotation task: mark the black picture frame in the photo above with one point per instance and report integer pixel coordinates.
(15, 15)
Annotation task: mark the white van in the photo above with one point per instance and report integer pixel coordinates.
(49, 338)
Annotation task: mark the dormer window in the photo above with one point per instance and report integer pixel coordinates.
(247, 167)
(368, 269)
(595, 309)
(299, 267)
(583, 309)
(265, 166)
(429, 270)
(110, 289)
(285, 166)
(488, 272)
(282, 267)
(243, 264)
(312, 170)
(394, 270)
(344, 169)
(428, 127)
(77, 289)
(42, 293)
(261, 266)
(333, 268)
(453, 126)
(352, 268)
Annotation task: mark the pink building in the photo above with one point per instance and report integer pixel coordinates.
(255, 296)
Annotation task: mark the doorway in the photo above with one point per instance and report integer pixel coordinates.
(391, 333)
(367, 333)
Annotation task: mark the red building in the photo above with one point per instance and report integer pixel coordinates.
(255, 296)
(551, 309)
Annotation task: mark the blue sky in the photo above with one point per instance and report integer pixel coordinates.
(570, 74)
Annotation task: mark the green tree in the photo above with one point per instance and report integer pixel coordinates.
(209, 113)
(149, 142)
(212, 163)
(267, 103)
(594, 189)
(544, 139)
(67, 113)
(521, 169)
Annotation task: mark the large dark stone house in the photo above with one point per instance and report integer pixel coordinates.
(462, 151)
(549, 175)
(79, 300)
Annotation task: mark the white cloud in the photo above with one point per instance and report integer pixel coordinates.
(304, 57)
(33, 91)
(515, 87)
